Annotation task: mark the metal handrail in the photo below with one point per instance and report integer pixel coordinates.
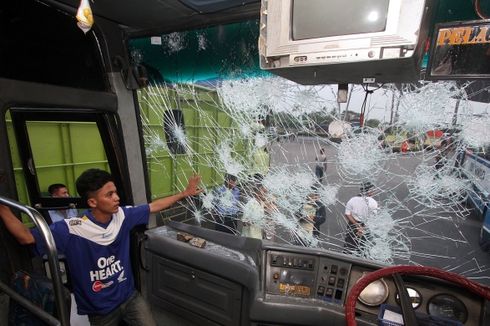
(43, 315)
(52, 253)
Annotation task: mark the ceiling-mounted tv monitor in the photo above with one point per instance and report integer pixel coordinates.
(337, 41)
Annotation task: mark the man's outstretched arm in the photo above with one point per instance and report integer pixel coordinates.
(15, 226)
(191, 190)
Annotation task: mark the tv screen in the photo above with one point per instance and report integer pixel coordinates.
(320, 18)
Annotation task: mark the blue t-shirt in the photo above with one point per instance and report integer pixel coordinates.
(98, 257)
(227, 201)
(59, 215)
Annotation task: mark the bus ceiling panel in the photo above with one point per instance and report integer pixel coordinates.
(164, 15)
(144, 17)
(151, 16)
(20, 93)
(211, 6)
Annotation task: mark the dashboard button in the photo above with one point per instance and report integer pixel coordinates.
(321, 290)
(331, 280)
(338, 294)
(334, 269)
(329, 292)
(340, 283)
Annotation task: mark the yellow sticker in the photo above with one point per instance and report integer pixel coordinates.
(464, 35)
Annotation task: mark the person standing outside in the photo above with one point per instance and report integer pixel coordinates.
(59, 190)
(357, 211)
(227, 205)
(258, 212)
(261, 161)
(321, 165)
(320, 215)
(306, 221)
(96, 247)
(404, 146)
(254, 215)
(312, 216)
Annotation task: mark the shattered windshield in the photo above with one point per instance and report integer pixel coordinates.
(398, 174)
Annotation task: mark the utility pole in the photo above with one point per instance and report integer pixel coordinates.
(395, 118)
(455, 115)
(392, 107)
(348, 102)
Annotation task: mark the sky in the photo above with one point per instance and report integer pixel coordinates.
(379, 104)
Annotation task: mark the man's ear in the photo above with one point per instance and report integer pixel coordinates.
(92, 202)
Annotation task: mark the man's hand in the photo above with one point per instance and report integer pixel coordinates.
(164, 203)
(192, 188)
(359, 230)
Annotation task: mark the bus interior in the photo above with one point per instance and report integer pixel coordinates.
(155, 91)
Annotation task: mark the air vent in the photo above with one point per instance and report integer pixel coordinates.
(389, 39)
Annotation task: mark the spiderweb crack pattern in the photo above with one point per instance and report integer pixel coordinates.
(420, 192)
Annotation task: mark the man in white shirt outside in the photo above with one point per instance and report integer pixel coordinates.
(60, 190)
(357, 210)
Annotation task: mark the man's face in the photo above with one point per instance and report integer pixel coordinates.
(106, 199)
(313, 197)
(61, 192)
(231, 184)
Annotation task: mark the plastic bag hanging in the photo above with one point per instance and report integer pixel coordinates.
(85, 19)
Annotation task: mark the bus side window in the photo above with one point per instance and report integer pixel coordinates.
(53, 148)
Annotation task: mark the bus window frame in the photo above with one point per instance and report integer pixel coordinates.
(107, 126)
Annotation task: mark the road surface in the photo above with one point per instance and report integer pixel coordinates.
(438, 238)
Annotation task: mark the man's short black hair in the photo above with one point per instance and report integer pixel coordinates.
(54, 187)
(90, 181)
(366, 186)
(258, 178)
(315, 188)
(230, 177)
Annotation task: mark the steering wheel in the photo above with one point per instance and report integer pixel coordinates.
(350, 304)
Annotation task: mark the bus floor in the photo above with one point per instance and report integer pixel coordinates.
(161, 317)
(169, 319)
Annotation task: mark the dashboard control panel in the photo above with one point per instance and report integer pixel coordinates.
(307, 276)
(290, 276)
